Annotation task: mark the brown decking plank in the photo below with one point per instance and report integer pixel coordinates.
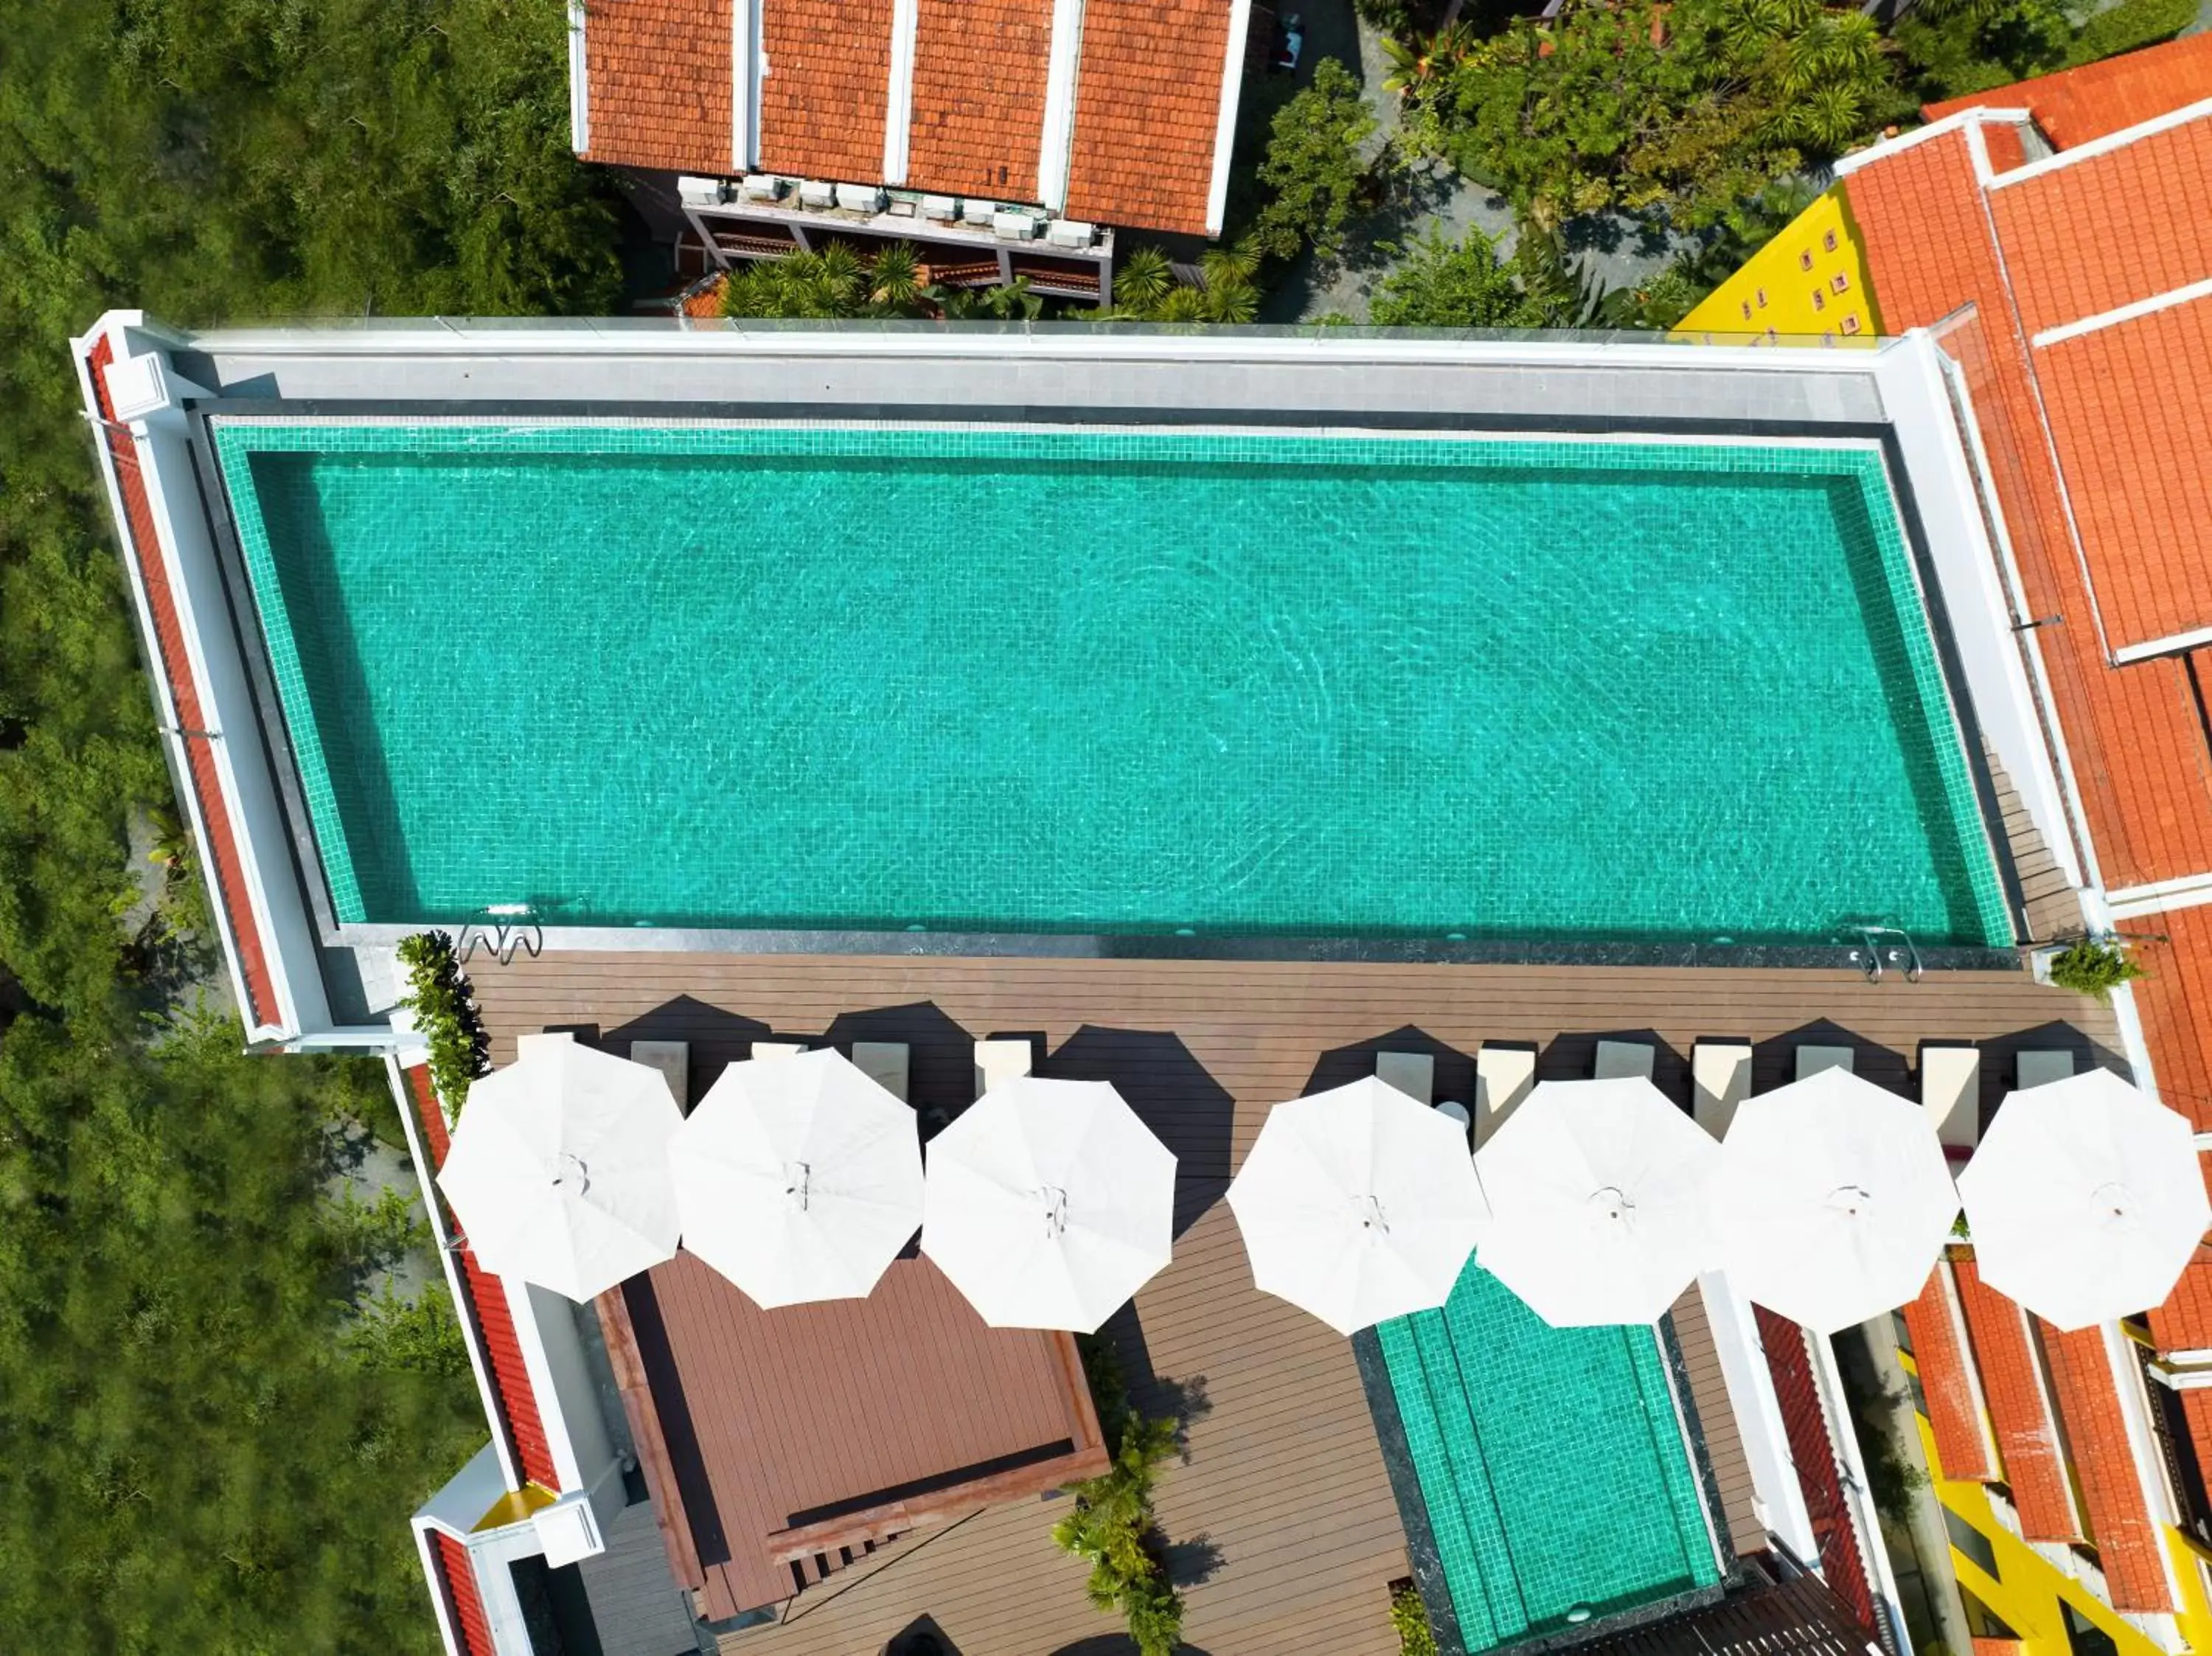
(1285, 1475)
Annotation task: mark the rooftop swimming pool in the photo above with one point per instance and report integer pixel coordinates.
(1551, 1461)
(1098, 681)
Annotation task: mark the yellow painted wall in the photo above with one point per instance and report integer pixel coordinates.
(1810, 280)
(2027, 1589)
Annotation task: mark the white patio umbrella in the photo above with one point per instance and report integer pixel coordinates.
(1048, 1204)
(559, 1169)
(1358, 1204)
(798, 1178)
(2085, 1200)
(1832, 1200)
(1598, 1193)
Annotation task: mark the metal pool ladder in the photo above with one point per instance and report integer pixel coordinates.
(1878, 947)
(503, 928)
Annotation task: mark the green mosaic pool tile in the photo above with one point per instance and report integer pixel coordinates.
(1239, 655)
(1553, 1458)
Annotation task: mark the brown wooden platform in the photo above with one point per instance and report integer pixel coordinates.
(1283, 1512)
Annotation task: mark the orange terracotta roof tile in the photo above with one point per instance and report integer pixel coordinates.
(1147, 103)
(827, 87)
(2184, 1323)
(170, 657)
(2136, 741)
(2027, 1434)
(978, 109)
(2174, 1000)
(2121, 1525)
(2143, 509)
(2077, 105)
(2110, 229)
(1953, 1411)
(657, 79)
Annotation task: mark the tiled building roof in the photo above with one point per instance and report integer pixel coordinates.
(827, 74)
(1954, 1411)
(2074, 290)
(2078, 104)
(172, 662)
(979, 115)
(2096, 432)
(659, 79)
(514, 1401)
(2019, 1413)
(2129, 1545)
(1145, 108)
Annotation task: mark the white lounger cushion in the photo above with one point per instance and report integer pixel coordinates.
(673, 1059)
(885, 1063)
(1414, 1074)
(1000, 1060)
(1951, 1093)
(778, 1048)
(1811, 1060)
(1720, 1079)
(1624, 1060)
(1502, 1077)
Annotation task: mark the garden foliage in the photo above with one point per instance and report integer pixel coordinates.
(210, 1448)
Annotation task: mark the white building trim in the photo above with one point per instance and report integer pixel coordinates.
(2119, 314)
(1224, 125)
(748, 66)
(1957, 121)
(898, 107)
(2132, 902)
(1056, 143)
(580, 82)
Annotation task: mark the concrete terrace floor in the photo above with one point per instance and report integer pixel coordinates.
(1285, 1530)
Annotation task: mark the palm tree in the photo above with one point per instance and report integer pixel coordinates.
(1143, 281)
(894, 284)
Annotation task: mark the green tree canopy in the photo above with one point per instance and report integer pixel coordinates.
(207, 1450)
(1677, 114)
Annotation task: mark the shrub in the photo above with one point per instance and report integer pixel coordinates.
(2130, 24)
(1112, 1527)
(2093, 966)
(1410, 1616)
(444, 1014)
(1314, 168)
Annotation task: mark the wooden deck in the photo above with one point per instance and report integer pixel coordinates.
(1282, 1515)
(1724, 1453)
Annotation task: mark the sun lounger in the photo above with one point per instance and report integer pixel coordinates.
(1414, 1074)
(1951, 1093)
(1720, 1079)
(525, 1046)
(1811, 1060)
(885, 1063)
(778, 1048)
(1624, 1060)
(673, 1059)
(2039, 1066)
(1000, 1060)
(1502, 1077)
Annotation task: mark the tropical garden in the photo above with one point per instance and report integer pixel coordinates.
(218, 1412)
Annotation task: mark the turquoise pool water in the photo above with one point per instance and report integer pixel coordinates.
(1097, 681)
(1551, 1461)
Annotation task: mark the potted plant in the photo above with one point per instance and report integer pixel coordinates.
(2088, 965)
